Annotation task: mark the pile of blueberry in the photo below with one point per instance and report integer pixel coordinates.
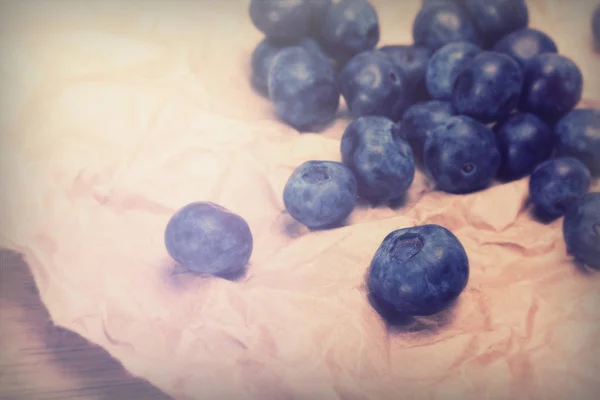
(478, 96)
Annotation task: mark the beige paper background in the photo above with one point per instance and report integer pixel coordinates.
(115, 114)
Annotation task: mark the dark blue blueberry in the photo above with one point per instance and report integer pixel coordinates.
(524, 44)
(556, 183)
(596, 27)
(581, 229)
(440, 23)
(349, 27)
(381, 161)
(303, 88)
(497, 18)
(263, 56)
(209, 239)
(282, 20)
(319, 11)
(553, 86)
(579, 136)
(412, 60)
(462, 155)
(418, 271)
(320, 194)
(372, 84)
(445, 65)
(421, 120)
(524, 141)
(488, 88)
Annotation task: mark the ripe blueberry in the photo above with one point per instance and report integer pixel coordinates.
(524, 44)
(497, 18)
(282, 20)
(581, 229)
(578, 135)
(412, 60)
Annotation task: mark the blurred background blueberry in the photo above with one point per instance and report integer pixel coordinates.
(497, 18)
(524, 141)
(461, 156)
(380, 159)
(303, 88)
(445, 65)
(412, 60)
(578, 135)
(524, 44)
(596, 27)
(282, 20)
(556, 183)
(581, 229)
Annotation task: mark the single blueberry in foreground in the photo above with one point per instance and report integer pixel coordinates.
(418, 271)
(524, 141)
(596, 27)
(488, 88)
(497, 18)
(209, 239)
(412, 60)
(443, 22)
(303, 88)
(421, 120)
(524, 44)
(462, 155)
(349, 27)
(381, 161)
(445, 65)
(556, 183)
(581, 229)
(263, 56)
(282, 20)
(320, 194)
(372, 84)
(578, 135)
(553, 86)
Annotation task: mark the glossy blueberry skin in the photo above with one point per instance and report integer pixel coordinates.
(524, 141)
(497, 18)
(373, 85)
(349, 27)
(440, 23)
(282, 21)
(381, 161)
(524, 44)
(418, 271)
(445, 65)
(596, 27)
(581, 229)
(263, 56)
(320, 194)
(303, 88)
(462, 155)
(553, 86)
(556, 183)
(412, 60)
(421, 120)
(209, 239)
(488, 88)
(578, 135)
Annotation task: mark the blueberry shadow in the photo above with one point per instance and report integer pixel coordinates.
(178, 276)
(398, 203)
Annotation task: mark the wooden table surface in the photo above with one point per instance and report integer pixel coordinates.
(41, 361)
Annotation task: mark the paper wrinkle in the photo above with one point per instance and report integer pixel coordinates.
(122, 114)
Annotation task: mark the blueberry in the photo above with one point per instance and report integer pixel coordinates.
(304, 89)
(524, 44)
(349, 27)
(372, 84)
(488, 88)
(320, 194)
(381, 161)
(581, 229)
(553, 86)
(418, 271)
(421, 120)
(282, 20)
(462, 155)
(596, 27)
(412, 60)
(209, 239)
(263, 56)
(578, 135)
(497, 18)
(445, 65)
(556, 183)
(443, 22)
(524, 141)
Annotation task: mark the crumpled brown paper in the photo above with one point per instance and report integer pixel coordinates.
(116, 114)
